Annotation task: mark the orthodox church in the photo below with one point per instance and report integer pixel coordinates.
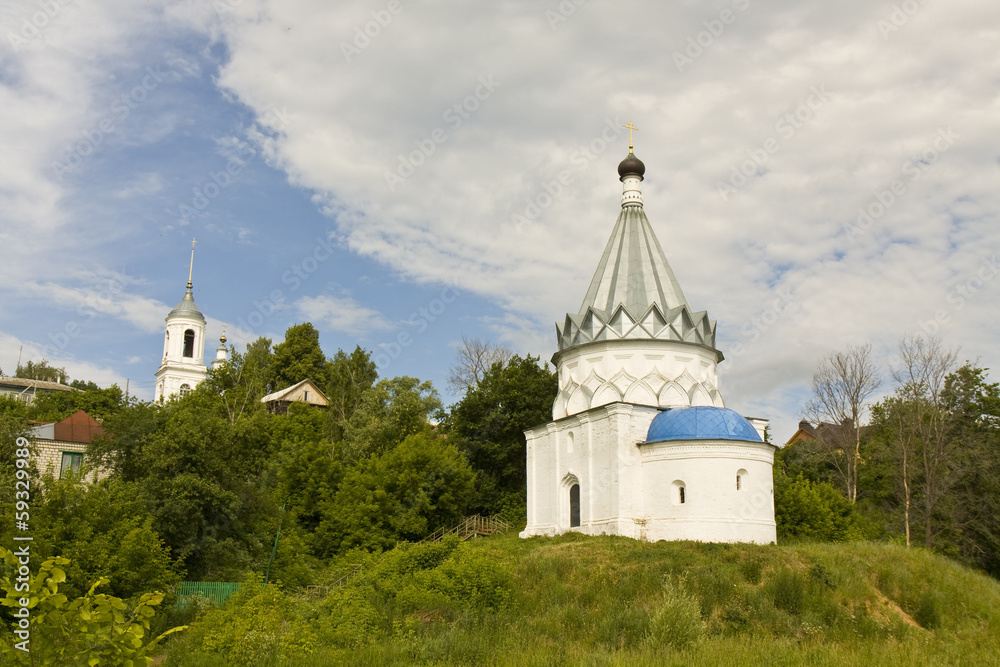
(641, 443)
(183, 365)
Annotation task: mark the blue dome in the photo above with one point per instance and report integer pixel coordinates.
(701, 423)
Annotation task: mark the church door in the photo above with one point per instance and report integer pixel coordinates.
(574, 506)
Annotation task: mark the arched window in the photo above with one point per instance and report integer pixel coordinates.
(574, 506)
(189, 343)
(679, 495)
(741, 479)
(185, 389)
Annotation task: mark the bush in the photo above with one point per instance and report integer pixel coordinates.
(93, 629)
(678, 621)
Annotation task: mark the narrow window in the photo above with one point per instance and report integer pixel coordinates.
(185, 389)
(678, 494)
(305, 396)
(741, 479)
(574, 506)
(189, 343)
(739, 482)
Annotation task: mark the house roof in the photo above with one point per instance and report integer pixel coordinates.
(26, 383)
(78, 427)
(289, 393)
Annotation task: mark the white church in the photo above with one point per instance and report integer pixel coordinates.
(640, 443)
(183, 365)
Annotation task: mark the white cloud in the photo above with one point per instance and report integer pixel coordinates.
(884, 99)
(343, 314)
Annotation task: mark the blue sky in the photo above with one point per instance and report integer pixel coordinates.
(818, 175)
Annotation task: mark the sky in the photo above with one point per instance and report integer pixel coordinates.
(404, 174)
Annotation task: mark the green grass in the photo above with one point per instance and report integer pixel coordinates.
(615, 601)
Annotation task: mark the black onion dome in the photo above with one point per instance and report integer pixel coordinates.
(631, 165)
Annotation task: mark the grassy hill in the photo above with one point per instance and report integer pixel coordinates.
(615, 601)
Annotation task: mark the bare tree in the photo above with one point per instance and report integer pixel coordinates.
(924, 366)
(475, 357)
(841, 387)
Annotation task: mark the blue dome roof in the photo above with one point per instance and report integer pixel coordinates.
(701, 423)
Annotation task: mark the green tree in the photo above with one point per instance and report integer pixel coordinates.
(350, 376)
(41, 371)
(201, 477)
(57, 405)
(298, 357)
(104, 528)
(307, 470)
(241, 381)
(388, 413)
(814, 510)
(489, 424)
(403, 494)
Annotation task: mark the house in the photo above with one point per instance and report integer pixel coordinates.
(61, 446)
(26, 389)
(305, 391)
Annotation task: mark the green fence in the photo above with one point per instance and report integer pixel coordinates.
(216, 591)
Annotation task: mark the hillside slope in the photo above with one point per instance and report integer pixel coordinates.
(607, 600)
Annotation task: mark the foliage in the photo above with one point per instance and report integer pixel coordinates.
(489, 424)
(94, 629)
(258, 626)
(388, 413)
(298, 357)
(104, 529)
(814, 511)
(241, 380)
(577, 599)
(403, 494)
(350, 376)
(41, 370)
(99, 403)
(677, 623)
(199, 474)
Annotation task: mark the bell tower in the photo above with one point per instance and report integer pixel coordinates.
(183, 365)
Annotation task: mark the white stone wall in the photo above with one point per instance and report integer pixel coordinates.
(627, 488)
(657, 373)
(714, 510)
(596, 449)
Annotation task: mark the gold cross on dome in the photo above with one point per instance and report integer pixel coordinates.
(630, 127)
